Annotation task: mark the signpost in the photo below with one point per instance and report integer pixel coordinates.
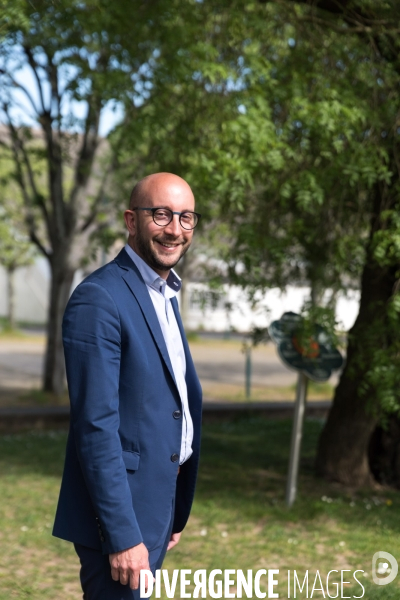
(247, 371)
(297, 434)
(313, 357)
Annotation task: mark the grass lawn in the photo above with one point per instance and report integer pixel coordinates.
(228, 392)
(239, 519)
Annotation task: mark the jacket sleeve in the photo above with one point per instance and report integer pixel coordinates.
(92, 344)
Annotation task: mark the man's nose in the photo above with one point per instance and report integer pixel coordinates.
(174, 227)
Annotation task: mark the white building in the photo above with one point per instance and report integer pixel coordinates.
(206, 309)
(221, 311)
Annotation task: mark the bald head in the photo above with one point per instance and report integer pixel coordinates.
(150, 190)
(160, 246)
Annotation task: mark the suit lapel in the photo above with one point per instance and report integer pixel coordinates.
(175, 307)
(188, 356)
(138, 288)
(192, 380)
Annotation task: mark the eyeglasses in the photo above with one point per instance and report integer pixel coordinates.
(163, 216)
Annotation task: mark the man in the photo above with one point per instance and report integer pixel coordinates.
(133, 446)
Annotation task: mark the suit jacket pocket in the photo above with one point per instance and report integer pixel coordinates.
(131, 460)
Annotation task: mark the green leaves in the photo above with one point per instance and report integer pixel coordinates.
(386, 241)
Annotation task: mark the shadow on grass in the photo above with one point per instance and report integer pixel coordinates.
(33, 452)
(230, 450)
(243, 468)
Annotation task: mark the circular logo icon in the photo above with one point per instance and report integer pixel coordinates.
(384, 568)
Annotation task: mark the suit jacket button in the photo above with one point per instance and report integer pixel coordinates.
(176, 414)
(175, 457)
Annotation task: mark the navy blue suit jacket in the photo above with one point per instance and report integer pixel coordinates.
(120, 478)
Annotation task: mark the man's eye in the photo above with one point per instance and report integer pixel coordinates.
(162, 214)
(187, 217)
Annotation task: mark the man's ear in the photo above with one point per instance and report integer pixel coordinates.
(130, 221)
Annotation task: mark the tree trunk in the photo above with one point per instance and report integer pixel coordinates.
(54, 368)
(384, 453)
(11, 297)
(342, 453)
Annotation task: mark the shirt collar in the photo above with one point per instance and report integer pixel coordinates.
(169, 287)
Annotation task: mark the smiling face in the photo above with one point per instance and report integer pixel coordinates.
(160, 247)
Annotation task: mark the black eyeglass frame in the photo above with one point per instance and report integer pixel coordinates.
(173, 212)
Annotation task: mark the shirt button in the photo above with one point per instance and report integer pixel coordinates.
(102, 538)
(176, 414)
(174, 457)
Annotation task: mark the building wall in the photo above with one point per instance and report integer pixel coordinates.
(31, 292)
(32, 286)
(213, 311)
(207, 310)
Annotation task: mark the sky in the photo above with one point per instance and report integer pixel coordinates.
(22, 111)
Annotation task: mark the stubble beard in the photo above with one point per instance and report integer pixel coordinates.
(150, 256)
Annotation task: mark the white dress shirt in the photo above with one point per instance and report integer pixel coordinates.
(161, 291)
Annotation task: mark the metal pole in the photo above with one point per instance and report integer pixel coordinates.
(297, 432)
(248, 372)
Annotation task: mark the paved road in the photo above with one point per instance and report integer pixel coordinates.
(225, 363)
(22, 360)
(218, 363)
(21, 363)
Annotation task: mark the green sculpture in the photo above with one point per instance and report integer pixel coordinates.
(311, 353)
(314, 355)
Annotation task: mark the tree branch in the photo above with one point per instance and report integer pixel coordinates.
(55, 95)
(359, 21)
(35, 240)
(38, 197)
(57, 231)
(16, 146)
(20, 87)
(96, 205)
(34, 66)
(332, 6)
(88, 148)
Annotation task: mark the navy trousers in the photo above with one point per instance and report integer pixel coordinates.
(96, 580)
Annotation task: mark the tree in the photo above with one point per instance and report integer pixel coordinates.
(369, 386)
(314, 159)
(74, 53)
(301, 160)
(286, 122)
